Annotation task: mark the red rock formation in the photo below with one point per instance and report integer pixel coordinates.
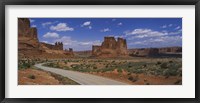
(24, 29)
(96, 50)
(57, 46)
(121, 46)
(69, 52)
(29, 45)
(27, 38)
(145, 52)
(170, 50)
(110, 48)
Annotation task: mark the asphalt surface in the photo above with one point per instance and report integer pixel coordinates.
(81, 78)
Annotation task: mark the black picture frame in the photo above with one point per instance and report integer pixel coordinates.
(100, 2)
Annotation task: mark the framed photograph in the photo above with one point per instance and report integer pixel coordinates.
(100, 51)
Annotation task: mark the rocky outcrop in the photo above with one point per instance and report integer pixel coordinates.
(144, 52)
(69, 52)
(57, 46)
(110, 48)
(24, 29)
(27, 38)
(29, 45)
(170, 50)
(152, 52)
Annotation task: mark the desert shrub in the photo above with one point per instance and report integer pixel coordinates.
(133, 78)
(164, 65)
(119, 70)
(95, 67)
(66, 68)
(106, 69)
(65, 62)
(170, 72)
(138, 70)
(54, 65)
(24, 65)
(144, 66)
(129, 74)
(129, 66)
(158, 63)
(31, 76)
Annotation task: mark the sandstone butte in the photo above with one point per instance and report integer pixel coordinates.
(110, 48)
(30, 47)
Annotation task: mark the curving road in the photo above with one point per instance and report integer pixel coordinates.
(81, 78)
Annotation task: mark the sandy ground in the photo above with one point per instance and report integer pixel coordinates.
(141, 79)
(41, 78)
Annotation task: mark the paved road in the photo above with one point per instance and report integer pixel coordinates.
(81, 78)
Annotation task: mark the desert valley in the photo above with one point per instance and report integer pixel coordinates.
(111, 62)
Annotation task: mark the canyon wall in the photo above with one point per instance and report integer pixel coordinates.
(30, 47)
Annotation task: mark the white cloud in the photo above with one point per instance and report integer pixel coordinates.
(31, 20)
(105, 30)
(113, 19)
(141, 33)
(46, 23)
(90, 27)
(87, 23)
(170, 25)
(167, 26)
(165, 41)
(164, 26)
(33, 25)
(51, 35)
(45, 41)
(175, 32)
(90, 43)
(61, 27)
(68, 42)
(119, 24)
(178, 27)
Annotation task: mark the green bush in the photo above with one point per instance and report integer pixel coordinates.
(164, 65)
(158, 63)
(119, 70)
(24, 66)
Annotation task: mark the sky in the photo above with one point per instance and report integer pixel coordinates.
(81, 33)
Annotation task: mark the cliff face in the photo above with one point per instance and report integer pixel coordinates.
(110, 48)
(24, 29)
(29, 45)
(27, 38)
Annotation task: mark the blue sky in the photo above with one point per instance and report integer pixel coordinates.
(82, 33)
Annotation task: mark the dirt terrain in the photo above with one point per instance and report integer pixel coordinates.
(139, 71)
(38, 77)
